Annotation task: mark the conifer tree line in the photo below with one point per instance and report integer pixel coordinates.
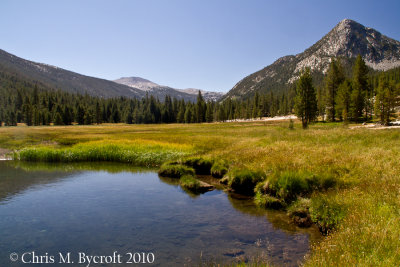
(33, 104)
(362, 96)
(357, 98)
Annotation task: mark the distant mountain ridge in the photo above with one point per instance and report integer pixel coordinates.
(63, 79)
(346, 40)
(189, 94)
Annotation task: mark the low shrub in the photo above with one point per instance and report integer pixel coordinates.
(173, 170)
(243, 181)
(219, 169)
(326, 212)
(299, 212)
(200, 165)
(267, 201)
(189, 182)
(288, 185)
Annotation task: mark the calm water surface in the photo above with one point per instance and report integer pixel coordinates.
(102, 208)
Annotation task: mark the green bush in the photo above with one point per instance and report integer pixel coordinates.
(219, 169)
(243, 181)
(174, 170)
(288, 185)
(189, 182)
(267, 201)
(200, 165)
(299, 212)
(326, 212)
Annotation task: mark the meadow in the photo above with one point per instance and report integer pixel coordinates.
(346, 180)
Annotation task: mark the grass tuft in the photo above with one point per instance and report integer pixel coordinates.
(199, 164)
(190, 183)
(219, 169)
(243, 181)
(174, 170)
(326, 212)
(125, 151)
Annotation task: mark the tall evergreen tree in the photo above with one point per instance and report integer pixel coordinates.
(332, 82)
(306, 101)
(360, 88)
(385, 100)
(343, 100)
(200, 108)
(98, 113)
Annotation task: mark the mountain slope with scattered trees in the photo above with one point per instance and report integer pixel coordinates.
(345, 41)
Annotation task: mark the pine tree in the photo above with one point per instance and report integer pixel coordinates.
(80, 115)
(306, 101)
(98, 113)
(209, 110)
(332, 82)
(58, 119)
(200, 108)
(67, 116)
(255, 105)
(28, 112)
(343, 100)
(188, 113)
(360, 88)
(385, 100)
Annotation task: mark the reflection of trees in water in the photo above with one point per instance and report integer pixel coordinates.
(17, 176)
(245, 205)
(14, 179)
(279, 219)
(170, 181)
(175, 182)
(110, 167)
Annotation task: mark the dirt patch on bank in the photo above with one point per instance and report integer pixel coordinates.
(376, 126)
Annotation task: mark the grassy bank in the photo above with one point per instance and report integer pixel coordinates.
(364, 164)
(137, 152)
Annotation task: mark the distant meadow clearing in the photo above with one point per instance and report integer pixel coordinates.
(347, 179)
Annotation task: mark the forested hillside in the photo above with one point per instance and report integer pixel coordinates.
(33, 103)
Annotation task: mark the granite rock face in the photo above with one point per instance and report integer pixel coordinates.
(345, 41)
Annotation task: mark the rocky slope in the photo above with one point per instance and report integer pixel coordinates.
(161, 91)
(345, 41)
(63, 79)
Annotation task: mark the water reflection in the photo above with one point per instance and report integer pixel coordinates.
(99, 208)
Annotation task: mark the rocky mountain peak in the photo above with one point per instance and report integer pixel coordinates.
(349, 39)
(346, 40)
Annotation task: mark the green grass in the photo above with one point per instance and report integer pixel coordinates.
(175, 170)
(356, 172)
(327, 212)
(219, 169)
(125, 151)
(201, 165)
(299, 211)
(243, 181)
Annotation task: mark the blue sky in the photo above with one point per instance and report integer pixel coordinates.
(205, 44)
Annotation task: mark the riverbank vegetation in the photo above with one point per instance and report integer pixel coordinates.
(345, 179)
(138, 152)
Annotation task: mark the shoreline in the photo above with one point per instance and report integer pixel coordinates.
(3, 154)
